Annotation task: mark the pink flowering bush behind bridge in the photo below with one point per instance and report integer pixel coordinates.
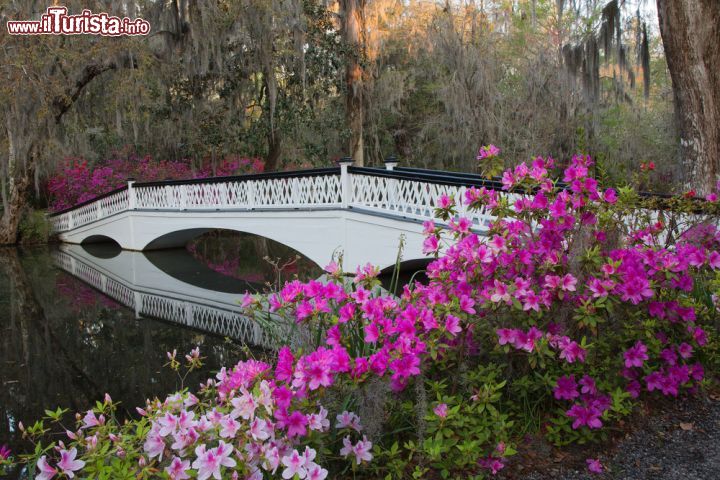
(556, 304)
(77, 181)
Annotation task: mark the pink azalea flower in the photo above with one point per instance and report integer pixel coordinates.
(508, 180)
(452, 325)
(316, 472)
(501, 293)
(332, 268)
(318, 421)
(636, 355)
(294, 465)
(467, 304)
(568, 283)
(588, 416)
(228, 427)
(506, 335)
(633, 388)
(361, 449)
(441, 410)
(209, 462)
(90, 420)
(284, 365)
(610, 196)
(566, 388)
(713, 260)
(178, 469)
(571, 351)
(244, 406)
(588, 385)
(488, 151)
(430, 245)
(168, 424)
(296, 424)
(461, 226)
(594, 465)
(445, 202)
(491, 463)
(428, 227)
(348, 420)
(46, 471)
(67, 464)
(154, 444)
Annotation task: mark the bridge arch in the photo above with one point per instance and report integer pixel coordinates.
(180, 238)
(309, 237)
(94, 239)
(408, 266)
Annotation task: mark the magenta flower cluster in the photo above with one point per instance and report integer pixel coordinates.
(77, 181)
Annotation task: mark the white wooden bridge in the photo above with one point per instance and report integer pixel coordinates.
(361, 212)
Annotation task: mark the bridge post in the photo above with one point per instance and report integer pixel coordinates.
(132, 201)
(183, 197)
(137, 304)
(391, 162)
(345, 183)
(251, 195)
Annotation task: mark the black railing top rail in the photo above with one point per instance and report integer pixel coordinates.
(434, 176)
(88, 202)
(464, 179)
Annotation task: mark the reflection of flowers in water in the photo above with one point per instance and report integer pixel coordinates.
(230, 265)
(80, 295)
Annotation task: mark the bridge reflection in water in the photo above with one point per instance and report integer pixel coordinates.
(133, 280)
(64, 343)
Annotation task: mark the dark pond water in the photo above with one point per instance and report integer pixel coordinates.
(77, 322)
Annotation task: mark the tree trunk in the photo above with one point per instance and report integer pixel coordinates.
(19, 191)
(18, 182)
(353, 27)
(690, 32)
(271, 92)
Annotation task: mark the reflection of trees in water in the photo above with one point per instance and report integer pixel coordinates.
(251, 258)
(56, 354)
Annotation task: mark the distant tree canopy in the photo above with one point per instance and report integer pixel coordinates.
(301, 82)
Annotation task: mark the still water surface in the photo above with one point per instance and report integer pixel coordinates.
(65, 343)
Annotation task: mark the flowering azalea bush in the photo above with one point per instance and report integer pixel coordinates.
(77, 181)
(556, 320)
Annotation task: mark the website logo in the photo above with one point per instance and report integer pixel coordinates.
(56, 21)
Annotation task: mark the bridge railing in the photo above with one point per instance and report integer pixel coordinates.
(408, 193)
(90, 211)
(304, 188)
(316, 188)
(415, 194)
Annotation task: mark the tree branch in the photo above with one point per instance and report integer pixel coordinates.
(63, 103)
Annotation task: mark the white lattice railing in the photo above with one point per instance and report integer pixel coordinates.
(310, 189)
(220, 321)
(89, 212)
(416, 199)
(294, 192)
